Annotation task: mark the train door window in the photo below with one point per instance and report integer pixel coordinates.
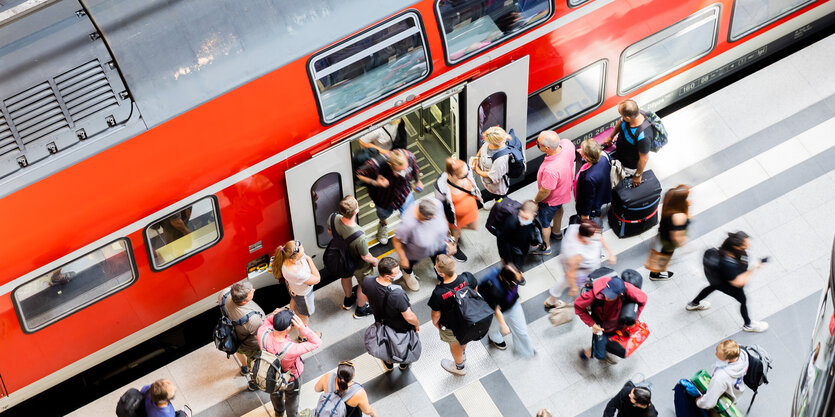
(471, 26)
(575, 3)
(325, 194)
(492, 112)
(668, 50)
(369, 67)
(183, 233)
(750, 15)
(75, 285)
(566, 99)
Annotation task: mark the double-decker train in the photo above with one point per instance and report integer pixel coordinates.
(154, 152)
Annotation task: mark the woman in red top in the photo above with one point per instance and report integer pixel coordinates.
(456, 189)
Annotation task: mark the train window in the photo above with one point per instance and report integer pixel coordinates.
(566, 99)
(471, 26)
(668, 50)
(750, 15)
(575, 3)
(369, 67)
(492, 112)
(325, 194)
(75, 285)
(182, 234)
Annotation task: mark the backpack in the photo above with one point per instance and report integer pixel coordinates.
(597, 273)
(759, 362)
(226, 340)
(659, 133)
(131, 404)
(267, 373)
(516, 161)
(500, 212)
(710, 261)
(330, 403)
(337, 256)
(473, 315)
(399, 139)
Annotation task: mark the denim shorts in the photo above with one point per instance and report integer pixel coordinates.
(385, 213)
(545, 213)
(304, 304)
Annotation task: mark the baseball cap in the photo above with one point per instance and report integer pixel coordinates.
(614, 288)
(282, 320)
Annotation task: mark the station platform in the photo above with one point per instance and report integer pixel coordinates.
(759, 155)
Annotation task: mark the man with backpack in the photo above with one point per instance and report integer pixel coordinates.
(447, 302)
(633, 132)
(726, 269)
(245, 316)
(353, 250)
(554, 178)
(727, 375)
(158, 398)
(515, 229)
(422, 233)
(600, 308)
(273, 336)
(499, 159)
(390, 186)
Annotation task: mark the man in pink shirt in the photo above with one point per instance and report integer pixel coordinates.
(278, 324)
(554, 181)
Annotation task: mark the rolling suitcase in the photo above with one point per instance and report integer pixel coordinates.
(635, 209)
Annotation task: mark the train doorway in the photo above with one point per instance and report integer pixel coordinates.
(431, 133)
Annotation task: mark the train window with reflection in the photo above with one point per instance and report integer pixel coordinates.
(750, 15)
(326, 193)
(492, 112)
(470, 26)
(566, 99)
(575, 3)
(183, 233)
(668, 50)
(75, 285)
(369, 67)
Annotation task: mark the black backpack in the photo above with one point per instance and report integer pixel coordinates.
(759, 362)
(131, 404)
(337, 256)
(500, 212)
(516, 165)
(399, 139)
(710, 262)
(226, 340)
(473, 315)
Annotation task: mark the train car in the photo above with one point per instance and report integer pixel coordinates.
(813, 394)
(154, 152)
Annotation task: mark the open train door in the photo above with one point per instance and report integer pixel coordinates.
(498, 98)
(314, 189)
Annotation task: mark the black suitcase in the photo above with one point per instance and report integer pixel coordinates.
(635, 209)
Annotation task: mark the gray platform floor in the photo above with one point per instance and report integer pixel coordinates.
(758, 154)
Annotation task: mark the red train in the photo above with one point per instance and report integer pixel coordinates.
(152, 153)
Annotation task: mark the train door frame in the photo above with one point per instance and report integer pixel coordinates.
(300, 182)
(512, 80)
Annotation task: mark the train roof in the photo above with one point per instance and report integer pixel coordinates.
(79, 77)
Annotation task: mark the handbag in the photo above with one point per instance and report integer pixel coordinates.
(561, 315)
(383, 342)
(657, 260)
(630, 338)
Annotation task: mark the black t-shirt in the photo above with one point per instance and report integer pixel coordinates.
(391, 314)
(495, 294)
(730, 267)
(629, 147)
(443, 296)
(666, 226)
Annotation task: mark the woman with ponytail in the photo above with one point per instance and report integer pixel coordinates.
(351, 393)
(296, 269)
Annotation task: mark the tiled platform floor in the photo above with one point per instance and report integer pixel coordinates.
(755, 165)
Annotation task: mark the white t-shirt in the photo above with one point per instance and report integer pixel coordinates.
(381, 136)
(296, 280)
(496, 170)
(590, 252)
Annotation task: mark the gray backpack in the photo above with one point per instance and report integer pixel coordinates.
(332, 404)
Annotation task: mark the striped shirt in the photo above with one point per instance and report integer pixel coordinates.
(393, 196)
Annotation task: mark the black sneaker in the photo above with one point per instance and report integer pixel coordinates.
(404, 366)
(660, 276)
(348, 302)
(499, 346)
(459, 255)
(251, 386)
(387, 366)
(363, 311)
(244, 371)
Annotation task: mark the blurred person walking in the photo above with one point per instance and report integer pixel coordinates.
(672, 232)
(457, 191)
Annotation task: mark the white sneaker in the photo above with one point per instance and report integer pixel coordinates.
(756, 326)
(704, 305)
(450, 367)
(383, 234)
(411, 281)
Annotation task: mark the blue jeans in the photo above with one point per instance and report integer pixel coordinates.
(545, 214)
(515, 319)
(385, 213)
